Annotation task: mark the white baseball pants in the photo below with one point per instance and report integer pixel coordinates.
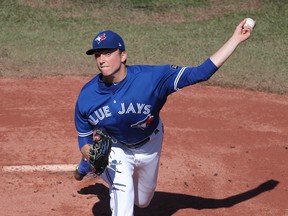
(133, 177)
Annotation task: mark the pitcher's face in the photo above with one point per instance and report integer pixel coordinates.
(109, 61)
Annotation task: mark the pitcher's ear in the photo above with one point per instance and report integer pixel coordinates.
(123, 56)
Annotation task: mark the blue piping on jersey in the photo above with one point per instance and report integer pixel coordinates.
(178, 77)
(85, 134)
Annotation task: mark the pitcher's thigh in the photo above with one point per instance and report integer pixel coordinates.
(145, 177)
(120, 183)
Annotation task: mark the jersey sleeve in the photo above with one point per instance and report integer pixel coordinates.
(83, 127)
(176, 77)
(193, 75)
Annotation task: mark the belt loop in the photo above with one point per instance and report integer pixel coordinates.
(156, 131)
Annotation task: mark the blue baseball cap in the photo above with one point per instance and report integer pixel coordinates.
(106, 40)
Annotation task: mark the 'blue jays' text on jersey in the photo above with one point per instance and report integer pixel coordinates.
(129, 111)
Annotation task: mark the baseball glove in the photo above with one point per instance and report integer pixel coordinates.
(100, 150)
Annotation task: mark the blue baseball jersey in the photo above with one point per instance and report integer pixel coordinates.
(129, 111)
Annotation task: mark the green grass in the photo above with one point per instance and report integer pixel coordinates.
(50, 37)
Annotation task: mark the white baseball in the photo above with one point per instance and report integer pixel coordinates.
(250, 23)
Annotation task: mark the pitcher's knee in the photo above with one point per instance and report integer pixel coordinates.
(143, 205)
(144, 202)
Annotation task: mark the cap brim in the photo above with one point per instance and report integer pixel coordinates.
(90, 52)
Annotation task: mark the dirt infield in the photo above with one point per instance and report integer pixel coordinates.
(225, 152)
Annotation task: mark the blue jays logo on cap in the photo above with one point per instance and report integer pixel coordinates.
(106, 40)
(100, 38)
